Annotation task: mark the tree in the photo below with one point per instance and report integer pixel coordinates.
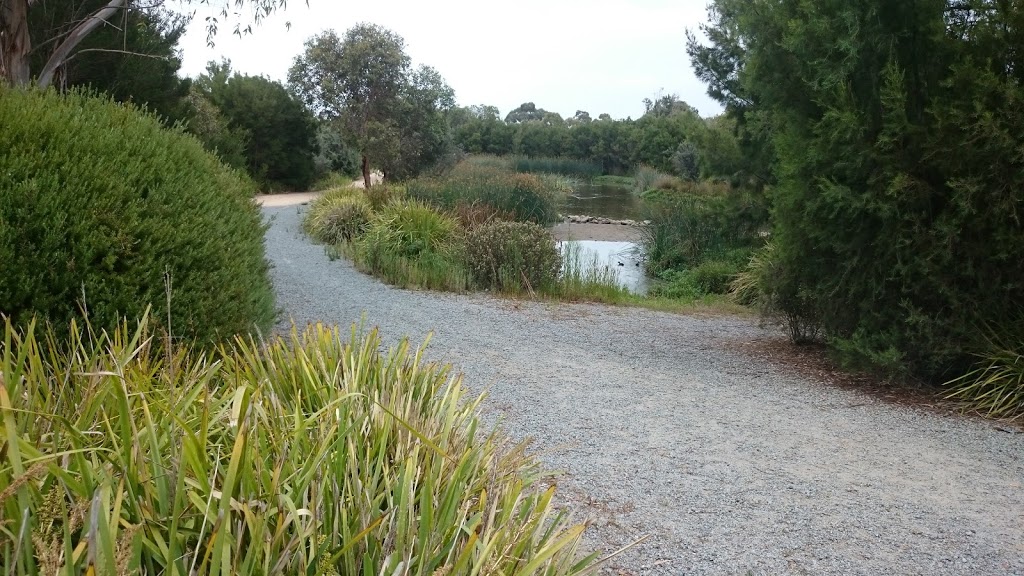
(905, 242)
(18, 48)
(424, 136)
(280, 133)
(395, 117)
(143, 68)
(526, 112)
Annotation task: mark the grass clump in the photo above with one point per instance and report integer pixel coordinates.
(995, 385)
(411, 245)
(585, 277)
(315, 450)
(529, 197)
(101, 205)
(512, 256)
(338, 216)
(645, 177)
(766, 285)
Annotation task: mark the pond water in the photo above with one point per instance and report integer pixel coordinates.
(616, 202)
(618, 257)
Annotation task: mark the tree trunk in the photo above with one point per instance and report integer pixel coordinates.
(75, 37)
(366, 172)
(15, 43)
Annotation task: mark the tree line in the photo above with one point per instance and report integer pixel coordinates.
(670, 136)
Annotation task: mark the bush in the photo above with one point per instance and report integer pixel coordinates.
(380, 195)
(713, 276)
(530, 197)
(314, 222)
(98, 202)
(645, 177)
(676, 284)
(512, 256)
(339, 218)
(315, 451)
(410, 228)
(687, 230)
(776, 291)
(472, 215)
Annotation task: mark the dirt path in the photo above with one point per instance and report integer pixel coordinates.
(663, 428)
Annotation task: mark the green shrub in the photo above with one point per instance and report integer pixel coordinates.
(530, 197)
(99, 202)
(512, 256)
(312, 451)
(713, 276)
(778, 293)
(406, 229)
(678, 285)
(339, 219)
(314, 222)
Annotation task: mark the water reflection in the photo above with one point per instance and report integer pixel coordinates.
(614, 202)
(618, 257)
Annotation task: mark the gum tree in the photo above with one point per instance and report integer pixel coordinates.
(16, 42)
(363, 83)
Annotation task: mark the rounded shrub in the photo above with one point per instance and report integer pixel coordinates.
(337, 217)
(99, 203)
(512, 255)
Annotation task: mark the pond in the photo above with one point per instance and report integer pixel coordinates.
(607, 201)
(620, 258)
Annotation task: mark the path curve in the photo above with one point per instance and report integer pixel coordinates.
(662, 428)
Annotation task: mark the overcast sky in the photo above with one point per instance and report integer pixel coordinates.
(602, 56)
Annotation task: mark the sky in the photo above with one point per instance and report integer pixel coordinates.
(601, 56)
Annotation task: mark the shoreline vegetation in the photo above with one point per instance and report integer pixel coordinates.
(422, 235)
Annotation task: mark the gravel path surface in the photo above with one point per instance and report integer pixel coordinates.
(729, 464)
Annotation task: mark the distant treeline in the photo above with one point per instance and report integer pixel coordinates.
(670, 136)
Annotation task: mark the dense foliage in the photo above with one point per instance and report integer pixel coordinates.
(315, 452)
(136, 61)
(893, 132)
(512, 256)
(671, 137)
(529, 197)
(363, 84)
(100, 205)
(279, 133)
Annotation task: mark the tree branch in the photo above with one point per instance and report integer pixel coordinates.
(113, 51)
(74, 38)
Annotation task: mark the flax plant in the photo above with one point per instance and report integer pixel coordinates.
(311, 453)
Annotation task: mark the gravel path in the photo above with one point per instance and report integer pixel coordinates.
(729, 464)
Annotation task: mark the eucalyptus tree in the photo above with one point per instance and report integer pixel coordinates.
(363, 82)
(17, 46)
